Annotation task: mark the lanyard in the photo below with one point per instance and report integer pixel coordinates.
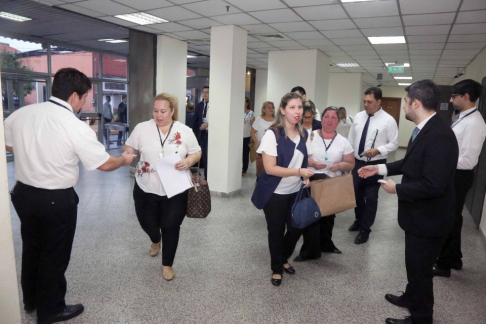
(168, 133)
(457, 122)
(327, 147)
(57, 103)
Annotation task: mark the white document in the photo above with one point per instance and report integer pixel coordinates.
(173, 181)
(328, 163)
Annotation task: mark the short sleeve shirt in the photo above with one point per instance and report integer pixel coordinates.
(247, 120)
(290, 184)
(48, 142)
(339, 147)
(145, 139)
(261, 125)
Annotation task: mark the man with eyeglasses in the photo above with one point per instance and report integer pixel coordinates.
(470, 131)
(373, 135)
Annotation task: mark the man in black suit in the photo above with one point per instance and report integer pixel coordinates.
(201, 127)
(426, 197)
(122, 116)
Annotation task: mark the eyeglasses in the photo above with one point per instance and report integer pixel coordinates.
(308, 117)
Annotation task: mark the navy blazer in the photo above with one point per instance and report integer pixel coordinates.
(198, 118)
(266, 184)
(426, 196)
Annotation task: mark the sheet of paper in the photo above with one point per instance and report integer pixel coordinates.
(328, 163)
(173, 181)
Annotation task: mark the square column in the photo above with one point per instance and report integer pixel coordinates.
(171, 72)
(226, 101)
(306, 68)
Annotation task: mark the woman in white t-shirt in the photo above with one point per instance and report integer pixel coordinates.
(285, 157)
(260, 125)
(249, 118)
(152, 140)
(331, 154)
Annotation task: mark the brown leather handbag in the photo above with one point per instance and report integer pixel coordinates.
(199, 198)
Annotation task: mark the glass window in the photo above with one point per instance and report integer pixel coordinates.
(84, 61)
(116, 92)
(22, 56)
(114, 67)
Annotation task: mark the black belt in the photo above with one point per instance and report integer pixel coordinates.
(373, 162)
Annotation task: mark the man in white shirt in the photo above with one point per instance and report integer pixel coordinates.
(373, 135)
(470, 131)
(48, 142)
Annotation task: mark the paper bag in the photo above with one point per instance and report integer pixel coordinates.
(334, 195)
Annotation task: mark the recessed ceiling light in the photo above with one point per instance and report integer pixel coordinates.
(403, 78)
(387, 40)
(347, 64)
(115, 41)
(13, 17)
(355, 0)
(105, 39)
(141, 18)
(404, 84)
(191, 56)
(396, 64)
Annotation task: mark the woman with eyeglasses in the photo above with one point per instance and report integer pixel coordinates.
(309, 120)
(331, 154)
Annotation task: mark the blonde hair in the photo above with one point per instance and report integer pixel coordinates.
(280, 119)
(266, 103)
(173, 103)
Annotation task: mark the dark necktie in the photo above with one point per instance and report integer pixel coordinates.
(205, 110)
(415, 133)
(363, 136)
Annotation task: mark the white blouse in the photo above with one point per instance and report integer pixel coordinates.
(145, 139)
(339, 147)
(260, 125)
(290, 184)
(247, 120)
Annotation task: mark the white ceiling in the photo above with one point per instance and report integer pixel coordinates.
(442, 35)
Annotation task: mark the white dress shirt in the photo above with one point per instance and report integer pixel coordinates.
(470, 132)
(386, 139)
(48, 142)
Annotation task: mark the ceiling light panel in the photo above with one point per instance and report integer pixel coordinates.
(347, 65)
(404, 84)
(387, 40)
(9, 16)
(141, 18)
(403, 78)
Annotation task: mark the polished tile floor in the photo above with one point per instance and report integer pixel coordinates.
(223, 267)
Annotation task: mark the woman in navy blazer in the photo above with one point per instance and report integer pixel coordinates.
(284, 151)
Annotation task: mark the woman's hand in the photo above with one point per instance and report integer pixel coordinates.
(334, 167)
(182, 165)
(319, 165)
(306, 183)
(306, 173)
(256, 145)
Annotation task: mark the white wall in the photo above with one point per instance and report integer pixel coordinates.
(345, 90)
(306, 68)
(261, 80)
(9, 296)
(172, 70)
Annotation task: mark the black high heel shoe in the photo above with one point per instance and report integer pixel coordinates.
(289, 270)
(276, 282)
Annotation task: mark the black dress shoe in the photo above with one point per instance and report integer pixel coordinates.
(29, 308)
(438, 272)
(71, 311)
(399, 301)
(289, 270)
(334, 250)
(362, 237)
(355, 227)
(406, 320)
(276, 282)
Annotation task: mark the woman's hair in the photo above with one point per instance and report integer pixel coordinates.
(173, 103)
(310, 110)
(247, 102)
(266, 103)
(280, 119)
(331, 108)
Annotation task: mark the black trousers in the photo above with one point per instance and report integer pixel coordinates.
(318, 236)
(48, 223)
(278, 213)
(158, 214)
(106, 132)
(366, 192)
(451, 251)
(246, 153)
(203, 142)
(420, 255)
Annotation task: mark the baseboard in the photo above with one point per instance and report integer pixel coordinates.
(225, 194)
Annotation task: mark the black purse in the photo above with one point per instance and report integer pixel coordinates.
(305, 210)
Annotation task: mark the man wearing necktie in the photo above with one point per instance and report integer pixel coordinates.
(426, 197)
(373, 135)
(201, 123)
(470, 131)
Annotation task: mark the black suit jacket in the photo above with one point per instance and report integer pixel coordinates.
(198, 118)
(426, 197)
